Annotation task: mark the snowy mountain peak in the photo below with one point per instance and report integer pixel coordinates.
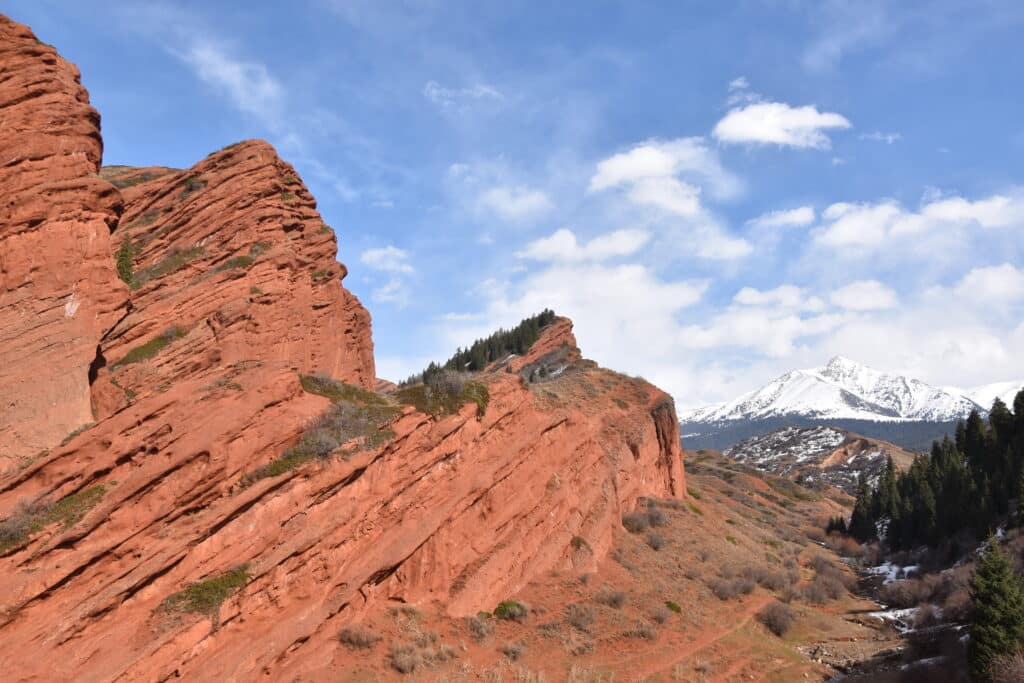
(841, 389)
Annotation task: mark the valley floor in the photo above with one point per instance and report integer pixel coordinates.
(620, 623)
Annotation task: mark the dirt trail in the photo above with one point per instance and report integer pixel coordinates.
(682, 650)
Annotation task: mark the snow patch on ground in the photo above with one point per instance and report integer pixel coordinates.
(891, 572)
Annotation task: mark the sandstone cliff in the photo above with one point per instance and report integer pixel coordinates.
(59, 292)
(201, 529)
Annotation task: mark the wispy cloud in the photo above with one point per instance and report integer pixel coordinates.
(450, 98)
(803, 215)
(248, 85)
(389, 259)
(515, 203)
(878, 136)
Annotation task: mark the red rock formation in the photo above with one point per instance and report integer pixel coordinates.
(59, 292)
(462, 510)
(235, 293)
(231, 261)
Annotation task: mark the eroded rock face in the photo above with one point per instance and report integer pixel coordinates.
(230, 261)
(459, 511)
(59, 292)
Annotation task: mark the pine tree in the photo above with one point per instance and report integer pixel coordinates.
(997, 594)
(862, 521)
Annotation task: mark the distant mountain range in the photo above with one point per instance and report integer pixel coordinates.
(846, 394)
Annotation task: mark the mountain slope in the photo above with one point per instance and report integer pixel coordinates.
(986, 395)
(819, 454)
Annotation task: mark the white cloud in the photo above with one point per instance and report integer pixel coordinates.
(739, 83)
(874, 226)
(513, 203)
(878, 136)
(864, 295)
(393, 291)
(563, 246)
(785, 218)
(455, 97)
(767, 331)
(248, 85)
(783, 296)
(992, 285)
(671, 177)
(389, 259)
(625, 315)
(780, 124)
(688, 158)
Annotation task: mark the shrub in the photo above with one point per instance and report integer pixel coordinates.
(641, 520)
(641, 630)
(612, 598)
(655, 541)
(580, 617)
(1008, 668)
(824, 588)
(726, 589)
(512, 650)
(661, 615)
(904, 594)
(206, 596)
(235, 262)
(355, 413)
(777, 617)
(635, 522)
(674, 606)
(358, 636)
(776, 581)
(404, 658)
(480, 627)
(124, 260)
(510, 610)
(441, 400)
(31, 517)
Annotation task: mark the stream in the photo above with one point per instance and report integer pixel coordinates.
(936, 653)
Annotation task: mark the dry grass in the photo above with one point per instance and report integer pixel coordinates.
(358, 636)
(611, 598)
(580, 617)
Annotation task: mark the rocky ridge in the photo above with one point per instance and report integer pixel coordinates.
(197, 365)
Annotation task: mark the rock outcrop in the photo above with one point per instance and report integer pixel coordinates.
(228, 261)
(205, 482)
(59, 292)
(459, 511)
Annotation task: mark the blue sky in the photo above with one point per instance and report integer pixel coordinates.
(716, 192)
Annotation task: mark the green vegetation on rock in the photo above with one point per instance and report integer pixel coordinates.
(207, 595)
(31, 518)
(152, 347)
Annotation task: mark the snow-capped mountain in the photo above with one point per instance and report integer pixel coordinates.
(841, 389)
(986, 395)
